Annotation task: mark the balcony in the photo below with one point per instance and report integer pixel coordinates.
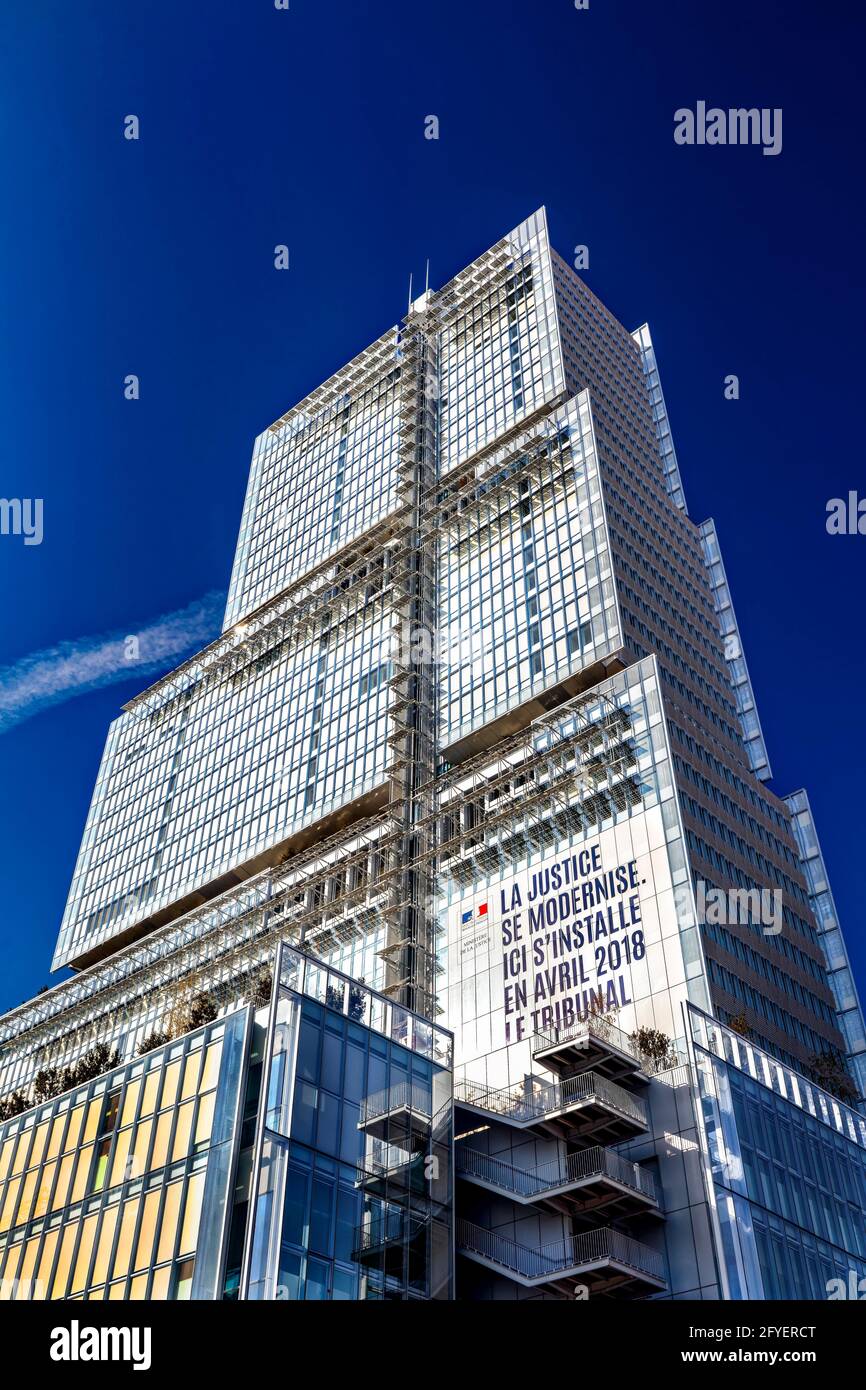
(578, 1108)
(391, 1167)
(393, 1113)
(593, 1045)
(383, 1240)
(609, 1263)
(581, 1184)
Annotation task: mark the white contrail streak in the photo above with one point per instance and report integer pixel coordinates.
(88, 663)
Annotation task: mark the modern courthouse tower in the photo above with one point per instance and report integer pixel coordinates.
(436, 932)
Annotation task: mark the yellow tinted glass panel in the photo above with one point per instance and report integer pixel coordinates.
(9, 1202)
(21, 1151)
(138, 1288)
(151, 1086)
(46, 1260)
(159, 1287)
(63, 1180)
(6, 1156)
(142, 1143)
(192, 1214)
(160, 1143)
(169, 1088)
(25, 1207)
(41, 1204)
(210, 1070)
(38, 1144)
(118, 1290)
(191, 1069)
(72, 1134)
(10, 1269)
(146, 1233)
(184, 1126)
(125, 1239)
(7, 1285)
(168, 1226)
(85, 1250)
(121, 1153)
(94, 1112)
(130, 1101)
(103, 1250)
(64, 1260)
(82, 1169)
(57, 1126)
(25, 1273)
(204, 1123)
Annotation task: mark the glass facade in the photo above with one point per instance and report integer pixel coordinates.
(673, 481)
(625, 812)
(839, 973)
(498, 346)
(352, 1193)
(741, 684)
(319, 477)
(297, 1149)
(674, 601)
(225, 766)
(112, 1190)
(526, 587)
(286, 718)
(787, 1163)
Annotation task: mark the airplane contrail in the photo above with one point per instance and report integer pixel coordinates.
(59, 673)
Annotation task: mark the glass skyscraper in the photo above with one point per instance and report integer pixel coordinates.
(436, 932)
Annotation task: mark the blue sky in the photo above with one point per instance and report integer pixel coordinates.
(305, 127)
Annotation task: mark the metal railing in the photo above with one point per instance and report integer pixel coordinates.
(561, 1256)
(406, 1095)
(537, 1098)
(547, 1177)
(388, 1229)
(383, 1158)
(584, 1032)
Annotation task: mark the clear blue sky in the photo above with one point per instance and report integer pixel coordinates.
(305, 127)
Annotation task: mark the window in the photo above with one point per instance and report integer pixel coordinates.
(183, 1279)
(579, 638)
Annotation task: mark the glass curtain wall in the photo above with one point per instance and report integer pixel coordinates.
(117, 1188)
(353, 1166)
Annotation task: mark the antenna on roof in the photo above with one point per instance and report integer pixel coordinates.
(427, 277)
(409, 310)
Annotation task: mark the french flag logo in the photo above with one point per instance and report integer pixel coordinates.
(478, 912)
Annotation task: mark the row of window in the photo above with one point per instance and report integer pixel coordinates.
(102, 1188)
(315, 486)
(764, 1007)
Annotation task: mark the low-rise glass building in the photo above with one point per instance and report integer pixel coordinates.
(301, 1149)
(353, 1154)
(115, 1189)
